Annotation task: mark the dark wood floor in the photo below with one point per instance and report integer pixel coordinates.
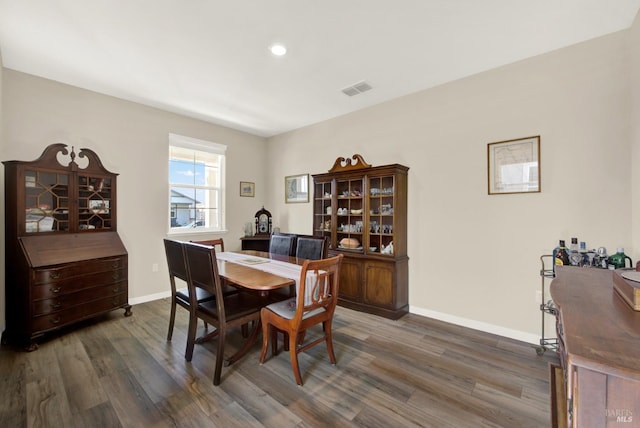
(118, 371)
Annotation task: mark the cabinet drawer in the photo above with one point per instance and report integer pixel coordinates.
(78, 312)
(62, 272)
(71, 285)
(66, 301)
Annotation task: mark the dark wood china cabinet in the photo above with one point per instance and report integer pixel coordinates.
(64, 259)
(362, 210)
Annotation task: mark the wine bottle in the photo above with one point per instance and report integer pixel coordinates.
(562, 257)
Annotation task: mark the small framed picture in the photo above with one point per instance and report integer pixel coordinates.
(296, 188)
(247, 188)
(513, 166)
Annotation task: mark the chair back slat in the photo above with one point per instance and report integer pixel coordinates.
(318, 286)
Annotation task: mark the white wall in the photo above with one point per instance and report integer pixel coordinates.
(474, 258)
(131, 140)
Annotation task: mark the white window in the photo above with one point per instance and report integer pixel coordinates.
(196, 185)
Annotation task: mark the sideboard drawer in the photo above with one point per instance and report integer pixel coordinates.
(66, 301)
(71, 285)
(78, 312)
(62, 272)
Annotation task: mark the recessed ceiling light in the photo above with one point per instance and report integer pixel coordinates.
(278, 49)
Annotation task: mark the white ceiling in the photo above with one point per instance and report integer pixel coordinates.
(209, 59)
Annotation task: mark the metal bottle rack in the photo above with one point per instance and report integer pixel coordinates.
(546, 307)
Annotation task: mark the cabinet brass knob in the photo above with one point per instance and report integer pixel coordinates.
(55, 320)
(54, 275)
(55, 290)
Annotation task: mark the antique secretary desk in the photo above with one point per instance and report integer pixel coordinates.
(64, 259)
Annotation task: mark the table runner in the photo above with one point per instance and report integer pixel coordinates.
(275, 267)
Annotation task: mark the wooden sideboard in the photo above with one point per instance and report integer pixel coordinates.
(257, 242)
(599, 349)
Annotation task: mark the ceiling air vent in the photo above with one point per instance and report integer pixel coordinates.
(357, 88)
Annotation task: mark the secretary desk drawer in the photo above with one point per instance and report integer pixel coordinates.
(71, 285)
(66, 301)
(79, 312)
(66, 271)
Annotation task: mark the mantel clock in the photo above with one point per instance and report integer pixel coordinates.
(263, 222)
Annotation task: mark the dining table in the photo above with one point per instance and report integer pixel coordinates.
(257, 271)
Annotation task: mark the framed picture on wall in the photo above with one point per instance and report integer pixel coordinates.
(296, 188)
(247, 188)
(513, 166)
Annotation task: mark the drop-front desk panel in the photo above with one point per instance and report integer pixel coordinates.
(599, 349)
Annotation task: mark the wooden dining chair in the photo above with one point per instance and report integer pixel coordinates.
(315, 303)
(225, 312)
(178, 270)
(282, 244)
(307, 247)
(218, 244)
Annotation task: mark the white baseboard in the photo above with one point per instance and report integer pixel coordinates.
(476, 325)
(465, 322)
(149, 297)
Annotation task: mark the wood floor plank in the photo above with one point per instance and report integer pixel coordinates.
(260, 405)
(120, 371)
(47, 402)
(156, 382)
(130, 402)
(81, 381)
(102, 415)
(13, 411)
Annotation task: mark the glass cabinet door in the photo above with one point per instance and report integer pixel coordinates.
(94, 202)
(46, 201)
(381, 201)
(350, 214)
(322, 209)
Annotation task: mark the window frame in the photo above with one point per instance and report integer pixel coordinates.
(203, 146)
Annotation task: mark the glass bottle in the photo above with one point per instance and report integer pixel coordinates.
(574, 245)
(561, 257)
(575, 258)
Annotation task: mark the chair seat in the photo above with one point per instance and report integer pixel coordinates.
(236, 306)
(287, 309)
(201, 295)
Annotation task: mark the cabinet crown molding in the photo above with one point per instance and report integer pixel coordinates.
(347, 164)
